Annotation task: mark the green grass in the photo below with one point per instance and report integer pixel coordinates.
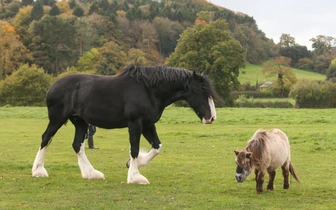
(254, 73)
(195, 169)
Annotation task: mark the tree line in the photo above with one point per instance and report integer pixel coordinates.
(102, 37)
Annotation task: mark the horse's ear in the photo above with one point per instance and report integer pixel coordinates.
(236, 152)
(204, 74)
(249, 155)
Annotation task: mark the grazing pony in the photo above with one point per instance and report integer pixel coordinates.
(135, 98)
(265, 152)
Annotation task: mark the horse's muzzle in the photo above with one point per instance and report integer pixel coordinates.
(209, 121)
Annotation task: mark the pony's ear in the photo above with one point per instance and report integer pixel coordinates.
(236, 152)
(249, 155)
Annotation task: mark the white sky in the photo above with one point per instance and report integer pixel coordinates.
(302, 19)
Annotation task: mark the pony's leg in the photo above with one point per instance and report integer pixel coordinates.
(260, 181)
(256, 171)
(87, 170)
(134, 176)
(38, 169)
(285, 173)
(144, 158)
(270, 185)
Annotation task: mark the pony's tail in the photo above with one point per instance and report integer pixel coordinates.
(292, 171)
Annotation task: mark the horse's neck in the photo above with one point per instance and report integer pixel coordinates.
(170, 93)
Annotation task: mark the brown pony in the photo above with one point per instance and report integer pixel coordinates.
(265, 152)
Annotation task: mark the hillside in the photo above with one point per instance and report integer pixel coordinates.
(254, 73)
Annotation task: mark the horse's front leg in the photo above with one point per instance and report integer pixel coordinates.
(134, 176)
(270, 185)
(144, 158)
(260, 181)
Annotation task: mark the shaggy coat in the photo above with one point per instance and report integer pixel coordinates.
(265, 152)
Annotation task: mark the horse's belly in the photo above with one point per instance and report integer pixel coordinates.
(278, 159)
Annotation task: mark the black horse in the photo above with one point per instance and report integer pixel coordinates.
(135, 98)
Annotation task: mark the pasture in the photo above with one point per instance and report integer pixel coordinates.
(195, 169)
(254, 73)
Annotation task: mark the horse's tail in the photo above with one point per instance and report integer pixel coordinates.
(292, 171)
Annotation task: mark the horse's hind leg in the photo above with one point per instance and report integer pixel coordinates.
(87, 170)
(144, 158)
(38, 169)
(285, 173)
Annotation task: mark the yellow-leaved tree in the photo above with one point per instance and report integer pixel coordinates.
(12, 52)
(279, 70)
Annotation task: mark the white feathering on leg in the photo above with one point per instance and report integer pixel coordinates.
(87, 170)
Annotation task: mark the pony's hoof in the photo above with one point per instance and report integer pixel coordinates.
(40, 172)
(128, 163)
(138, 179)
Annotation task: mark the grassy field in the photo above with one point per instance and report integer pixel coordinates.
(254, 73)
(195, 169)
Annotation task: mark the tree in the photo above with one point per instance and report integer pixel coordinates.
(286, 40)
(27, 2)
(54, 10)
(248, 37)
(210, 48)
(111, 59)
(136, 57)
(88, 61)
(305, 64)
(168, 33)
(56, 42)
(295, 53)
(78, 11)
(331, 72)
(21, 23)
(9, 8)
(63, 6)
(322, 44)
(12, 52)
(37, 11)
(19, 90)
(322, 62)
(280, 67)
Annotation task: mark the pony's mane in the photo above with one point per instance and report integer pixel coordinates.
(257, 144)
(152, 76)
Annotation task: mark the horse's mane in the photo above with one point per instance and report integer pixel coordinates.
(152, 76)
(257, 145)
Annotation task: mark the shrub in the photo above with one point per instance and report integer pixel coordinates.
(25, 87)
(314, 94)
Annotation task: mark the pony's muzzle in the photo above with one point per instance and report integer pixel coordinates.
(239, 179)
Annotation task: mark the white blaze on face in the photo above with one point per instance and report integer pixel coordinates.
(213, 112)
(212, 108)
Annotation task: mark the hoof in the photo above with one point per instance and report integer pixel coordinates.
(138, 179)
(270, 188)
(94, 175)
